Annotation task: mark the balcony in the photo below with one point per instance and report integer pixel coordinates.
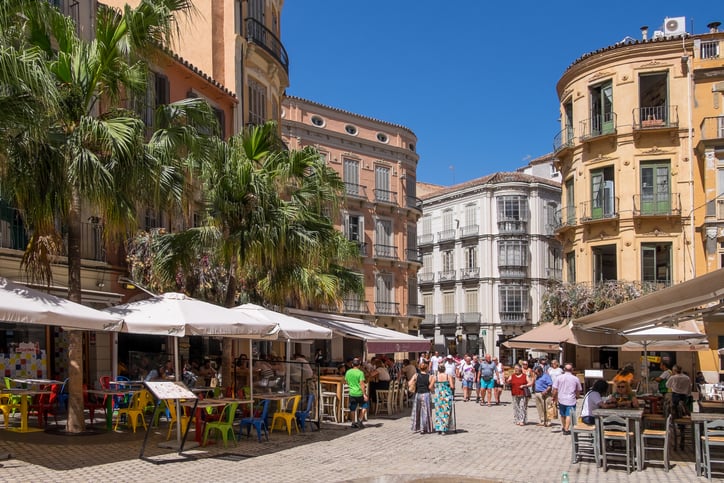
(712, 131)
(564, 141)
(446, 276)
(565, 218)
(413, 255)
(413, 203)
(469, 231)
(415, 310)
(355, 306)
(470, 318)
(470, 273)
(445, 236)
(513, 271)
(448, 324)
(385, 196)
(427, 326)
(424, 278)
(356, 191)
(362, 248)
(513, 318)
(600, 126)
(387, 308)
(386, 251)
(657, 204)
(512, 227)
(597, 210)
(257, 33)
(658, 117)
(423, 240)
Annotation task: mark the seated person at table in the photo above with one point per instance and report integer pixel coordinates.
(626, 373)
(622, 398)
(166, 371)
(593, 400)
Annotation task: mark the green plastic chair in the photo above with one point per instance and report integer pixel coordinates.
(225, 425)
(13, 399)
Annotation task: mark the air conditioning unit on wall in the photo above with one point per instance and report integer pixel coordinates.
(674, 26)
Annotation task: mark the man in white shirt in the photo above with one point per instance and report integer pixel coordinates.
(435, 362)
(451, 369)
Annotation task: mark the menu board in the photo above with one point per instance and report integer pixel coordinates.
(169, 390)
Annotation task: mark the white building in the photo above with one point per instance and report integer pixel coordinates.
(488, 248)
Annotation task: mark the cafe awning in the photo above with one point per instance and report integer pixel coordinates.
(377, 339)
(546, 337)
(694, 298)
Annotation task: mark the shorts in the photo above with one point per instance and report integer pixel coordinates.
(468, 384)
(497, 384)
(566, 411)
(355, 401)
(487, 384)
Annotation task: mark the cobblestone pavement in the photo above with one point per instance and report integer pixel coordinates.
(488, 447)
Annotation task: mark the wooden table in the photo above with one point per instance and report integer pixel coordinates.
(711, 406)
(634, 414)
(698, 420)
(337, 382)
(25, 395)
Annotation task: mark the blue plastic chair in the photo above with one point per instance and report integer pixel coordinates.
(63, 397)
(259, 423)
(304, 415)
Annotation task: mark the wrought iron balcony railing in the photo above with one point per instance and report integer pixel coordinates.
(387, 308)
(425, 277)
(565, 217)
(446, 276)
(355, 305)
(416, 310)
(472, 273)
(469, 231)
(513, 318)
(512, 227)
(355, 190)
(385, 251)
(657, 117)
(565, 139)
(413, 203)
(413, 255)
(427, 239)
(256, 32)
(657, 204)
(600, 209)
(596, 126)
(385, 196)
(445, 235)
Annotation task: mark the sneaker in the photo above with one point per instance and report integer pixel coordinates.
(360, 425)
(355, 425)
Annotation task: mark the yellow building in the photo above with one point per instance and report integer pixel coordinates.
(238, 44)
(639, 148)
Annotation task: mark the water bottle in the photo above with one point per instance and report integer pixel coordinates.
(564, 477)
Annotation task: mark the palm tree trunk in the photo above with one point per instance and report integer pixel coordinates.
(227, 357)
(76, 420)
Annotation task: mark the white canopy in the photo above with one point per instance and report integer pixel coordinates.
(377, 339)
(24, 305)
(290, 328)
(177, 315)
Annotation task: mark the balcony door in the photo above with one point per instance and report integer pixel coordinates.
(602, 193)
(655, 188)
(602, 117)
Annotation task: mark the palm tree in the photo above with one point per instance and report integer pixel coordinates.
(268, 226)
(88, 155)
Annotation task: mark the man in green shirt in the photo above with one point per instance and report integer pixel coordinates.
(355, 379)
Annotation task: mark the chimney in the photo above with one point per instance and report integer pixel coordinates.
(645, 32)
(713, 27)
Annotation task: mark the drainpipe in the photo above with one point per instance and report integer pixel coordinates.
(690, 134)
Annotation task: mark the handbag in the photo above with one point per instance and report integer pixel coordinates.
(412, 384)
(526, 391)
(551, 411)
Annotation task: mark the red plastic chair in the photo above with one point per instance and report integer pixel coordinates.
(92, 404)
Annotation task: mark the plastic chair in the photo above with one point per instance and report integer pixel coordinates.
(615, 428)
(649, 435)
(225, 425)
(713, 437)
(305, 415)
(259, 422)
(287, 414)
(15, 400)
(46, 404)
(134, 411)
(63, 396)
(172, 419)
(92, 405)
(7, 407)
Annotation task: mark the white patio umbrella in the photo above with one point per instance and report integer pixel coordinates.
(177, 315)
(24, 305)
(686, 334)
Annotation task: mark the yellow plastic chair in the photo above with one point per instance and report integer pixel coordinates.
(135, 410)
(225, 425)
(287, 414)
(7, 407)
(172, 420)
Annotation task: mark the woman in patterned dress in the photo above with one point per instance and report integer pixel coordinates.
(421, 409)
(517, 381)
(443, 399)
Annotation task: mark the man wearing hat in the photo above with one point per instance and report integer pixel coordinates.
(451, 369)
(358, 404)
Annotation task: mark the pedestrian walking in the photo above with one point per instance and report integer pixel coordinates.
(421, 384)
(543, 387)
(520, 390)
(566, 389)
(487, 372)
(358, 398)
(443, 399)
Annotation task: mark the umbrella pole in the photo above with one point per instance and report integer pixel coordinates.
(645, 371)
(177, 401)
(289, 358)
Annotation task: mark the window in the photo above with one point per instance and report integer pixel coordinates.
(384, 295)
(513, 301)
(653, 91)
(471, 257)
(448, 261)
(350, 129)
(448, 302)
(602, 120)
(351, 177)
(157, 94)
(412, 296)
(471, 301)
(221, 119)
(604, 263)
(602, 194)
(354, 228)
(426, 224)
(569, 217)
(656, 263)
(512, 208)
(655, 188)
(257, 103)
(554, 263)
(382, 137)
(568, 123)
(709, 50)
(427, 263)
(384, 245)
(571, 267)
(382, 184)
(512, 253)
(317, 121)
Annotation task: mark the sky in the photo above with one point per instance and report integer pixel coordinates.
(475, 80)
